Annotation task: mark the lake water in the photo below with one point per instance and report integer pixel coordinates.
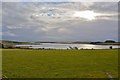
(65, 46)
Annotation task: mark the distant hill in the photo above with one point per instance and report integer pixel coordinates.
(4, 41)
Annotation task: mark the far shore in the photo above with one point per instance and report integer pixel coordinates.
(102, 43)
(11, 43)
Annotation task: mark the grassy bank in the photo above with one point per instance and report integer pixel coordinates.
(10, 44)
(21, 63)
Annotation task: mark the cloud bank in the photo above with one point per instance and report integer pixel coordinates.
(55, 21)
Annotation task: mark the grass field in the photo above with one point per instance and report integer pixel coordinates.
(23, 63)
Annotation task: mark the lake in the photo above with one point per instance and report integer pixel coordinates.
(65, 46)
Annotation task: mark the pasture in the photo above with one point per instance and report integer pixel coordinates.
(29, 63)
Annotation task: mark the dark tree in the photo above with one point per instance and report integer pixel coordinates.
(110, 47)
(109, 41)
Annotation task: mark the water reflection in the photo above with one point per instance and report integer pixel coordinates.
(65, 46)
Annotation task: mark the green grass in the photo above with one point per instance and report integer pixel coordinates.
(19, 44)
(21, 63)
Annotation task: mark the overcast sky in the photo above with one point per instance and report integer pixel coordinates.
(39, 21)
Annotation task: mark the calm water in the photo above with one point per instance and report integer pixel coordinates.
(65, 46)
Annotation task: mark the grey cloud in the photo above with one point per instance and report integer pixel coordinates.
(105, 6)
(21, 23)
